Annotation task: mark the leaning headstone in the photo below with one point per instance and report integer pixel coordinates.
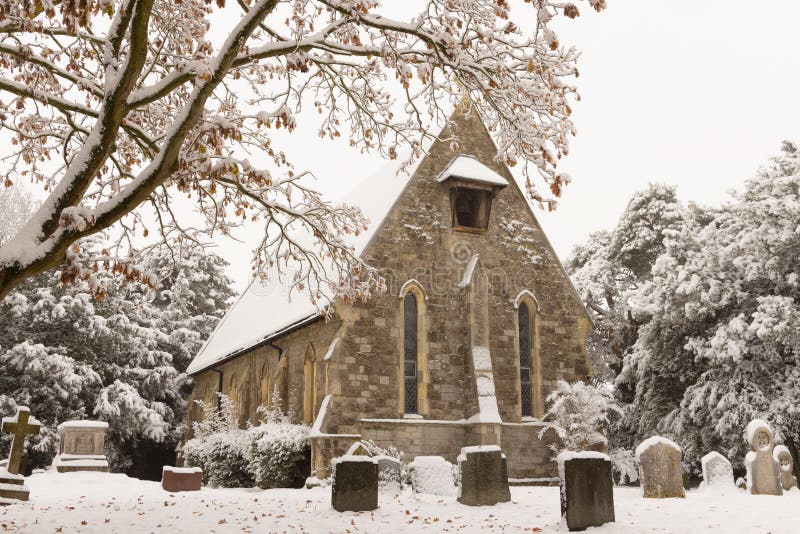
(390, 471)
(81, 447)
(660, 468)
(174, 479)
(786, 464)
(354, 485)
(12, 484)
(432, 475)
(484, 476)
(717, 472)
(763, 471)
(587, 489)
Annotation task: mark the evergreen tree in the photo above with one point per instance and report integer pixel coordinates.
(121, 359)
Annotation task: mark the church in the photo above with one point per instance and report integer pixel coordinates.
(478, 323)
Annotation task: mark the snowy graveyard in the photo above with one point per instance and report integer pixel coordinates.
(108, 502)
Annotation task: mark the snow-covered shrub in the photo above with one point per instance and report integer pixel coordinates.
(376, 450)
(624, 466)
(274, 454)
(579, 413)
(280, 453)
(220, 448)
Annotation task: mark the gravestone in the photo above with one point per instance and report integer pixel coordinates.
(763, 471)
(717, 472)
(81, 447)
(660, 468)
(587, 489)
(390, 471)
(354, 485)
(432, 475)
(175, 479)
(12, 484)
(484, 476)
(786, 464)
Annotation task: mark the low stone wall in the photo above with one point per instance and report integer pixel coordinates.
(417, 437)
(528, 456)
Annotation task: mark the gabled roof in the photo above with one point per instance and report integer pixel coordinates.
(469, 168)
(265, 311)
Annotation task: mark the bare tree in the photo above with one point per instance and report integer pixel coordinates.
(117, 104)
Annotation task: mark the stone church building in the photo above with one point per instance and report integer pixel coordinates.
(478, 324)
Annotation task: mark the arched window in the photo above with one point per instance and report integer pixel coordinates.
(266, 394)
(524, 325)
(309, 386)
(410, 349)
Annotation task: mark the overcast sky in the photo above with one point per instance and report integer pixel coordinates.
(696, 93)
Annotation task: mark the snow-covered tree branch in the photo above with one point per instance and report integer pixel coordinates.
(117, 105)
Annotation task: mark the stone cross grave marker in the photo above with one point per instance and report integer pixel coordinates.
(660, 468)
(20, 425)
(717, 472)
(763, 471)
(784, 458)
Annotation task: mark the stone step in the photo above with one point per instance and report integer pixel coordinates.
(14, 492)
(12, 480)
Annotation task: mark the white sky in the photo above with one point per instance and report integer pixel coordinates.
(696, 93)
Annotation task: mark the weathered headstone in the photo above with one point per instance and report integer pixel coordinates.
(432, 475)
(12, 484)
(660, 468)
(390, 471)
(587, 489)
(354, 485)
(763, 471)
(484, 476)
(175, 479)
(786, 464)
(717, 472)
(81, 446)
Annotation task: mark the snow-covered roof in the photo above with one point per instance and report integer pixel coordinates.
(469, 168)
(262, 313)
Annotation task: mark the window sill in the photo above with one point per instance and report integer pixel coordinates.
(412, 416)
(469, 230)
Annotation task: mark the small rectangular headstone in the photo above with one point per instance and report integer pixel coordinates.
(660, 468)
(354, 486)
(587, 489)
(484, 476)
(174, 479)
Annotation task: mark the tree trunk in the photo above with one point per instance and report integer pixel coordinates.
(791, 444)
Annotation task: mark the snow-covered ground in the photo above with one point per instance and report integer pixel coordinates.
(96, 502)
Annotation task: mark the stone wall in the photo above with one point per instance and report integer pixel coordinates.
(252, 378)
(417, 438)
(529, 456)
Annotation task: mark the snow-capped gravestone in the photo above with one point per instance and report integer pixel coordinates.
(717, 472)
(354, 486)
(81, 446)
(587, 489)
(484, 476)
(660, 468)
(174, 479)
(786, 464)
(432, 475)
(763, 471)
(390, 472)
(12, 484)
